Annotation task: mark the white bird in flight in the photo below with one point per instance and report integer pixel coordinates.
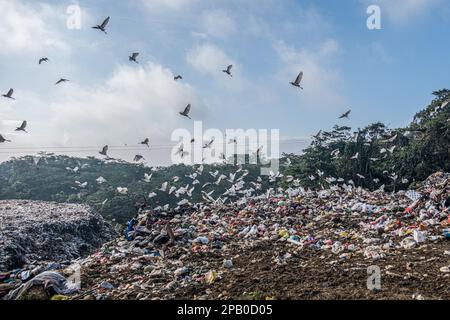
(122, 191)
(147, 177)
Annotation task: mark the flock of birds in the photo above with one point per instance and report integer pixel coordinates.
(237, 184)
(234, 184)
(134, 58)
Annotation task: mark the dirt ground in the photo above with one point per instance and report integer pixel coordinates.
(309, 274)
(406, 274)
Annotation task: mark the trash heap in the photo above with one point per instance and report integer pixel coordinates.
(35, 231)
(292, 244)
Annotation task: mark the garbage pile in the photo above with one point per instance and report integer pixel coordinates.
(293, 243)
(36, 231)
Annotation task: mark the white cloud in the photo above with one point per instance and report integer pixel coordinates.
(404, 11)
(168, 4)
(134, 103)
(218, 23)
(320, 79)
(25, 28)
(208, 58)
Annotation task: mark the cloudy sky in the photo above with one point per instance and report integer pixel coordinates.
(382, 75)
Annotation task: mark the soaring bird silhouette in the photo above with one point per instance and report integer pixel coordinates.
(345, 115)
(102, 27)
(186, 111)
(104, 151)
(146, 142)
(3, 139)
(298, 80)
(22, 126)
(9, 94)
(61, 81)
(43, 60)
(228, 70)
(208, 144)
(138, 158)
(133, 57)
(178, 77)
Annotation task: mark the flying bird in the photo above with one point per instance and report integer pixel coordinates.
(317, 136)
(298, 81)
(102, 27)
(61, 80)
(186, 111)
(138, 158)
(133, 57)
(22, 126)
(43, 60)
(345, 115)
(178, 77)
(122, 190)
(3, 139)
(104, 151)
(146, 142)
(164, 186)
(181, 152)
(147, 177)
(9, 94)
(100, 180)
(228, 70)
(208, 144)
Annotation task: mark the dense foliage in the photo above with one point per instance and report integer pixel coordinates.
(376, 155)
(53, 178)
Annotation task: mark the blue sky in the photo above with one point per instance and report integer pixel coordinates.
(382, 75)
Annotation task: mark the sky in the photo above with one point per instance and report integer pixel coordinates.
(381, 75)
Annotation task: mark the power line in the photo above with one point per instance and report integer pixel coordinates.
(74, 149)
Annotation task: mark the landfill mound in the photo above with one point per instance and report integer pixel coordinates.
(36, 231)
(294, 244)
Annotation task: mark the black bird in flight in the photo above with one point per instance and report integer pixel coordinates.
(43, 60)
(298, 81)
(146, 142)
(138, 158)
(102, 27)
(104, 151)
(178, 77)
(186, 111)
(133, 57)
(61, 81)
(3, 139)
(22, 127)
(228, 70)
(9, 94)
(345, 115)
